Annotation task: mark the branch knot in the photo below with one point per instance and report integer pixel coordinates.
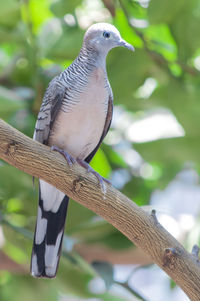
(11, 148)
(170, 257)
(77, 185)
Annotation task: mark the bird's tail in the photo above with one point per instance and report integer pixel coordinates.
(49, 231)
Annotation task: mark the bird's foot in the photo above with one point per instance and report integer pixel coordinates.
(100, 179)
(70, 160)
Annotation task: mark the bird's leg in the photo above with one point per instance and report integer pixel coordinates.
(95, 173)
(70, 160)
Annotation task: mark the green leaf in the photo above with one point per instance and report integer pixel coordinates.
(9, 12)
(39, 18)
(125, 30)
(114, 158)
(161, 40)
(101, 164)
(63, 7)
(11, 37)
(161, 11)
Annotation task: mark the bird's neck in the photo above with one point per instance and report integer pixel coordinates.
(93, 58)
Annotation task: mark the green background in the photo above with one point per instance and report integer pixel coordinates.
(38, 39)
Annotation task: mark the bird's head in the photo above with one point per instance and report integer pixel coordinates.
(102, 37)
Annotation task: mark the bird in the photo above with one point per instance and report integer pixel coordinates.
(74, 118)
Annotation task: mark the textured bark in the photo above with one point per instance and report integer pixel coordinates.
(141, 228)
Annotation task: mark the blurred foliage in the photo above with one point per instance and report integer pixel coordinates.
(38, 39)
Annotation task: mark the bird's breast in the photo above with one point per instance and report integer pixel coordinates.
(79, 126)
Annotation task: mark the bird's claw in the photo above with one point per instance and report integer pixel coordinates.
(100, 179)
(70, 160)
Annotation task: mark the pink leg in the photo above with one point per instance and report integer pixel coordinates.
(90, 169)
(70, 160)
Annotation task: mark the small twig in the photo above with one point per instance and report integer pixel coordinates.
(131, 290)
(131, 274)
(153, 215)
(195, 252)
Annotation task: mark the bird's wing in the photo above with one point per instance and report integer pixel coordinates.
(106, 128)
(52, 202)
(50, 106)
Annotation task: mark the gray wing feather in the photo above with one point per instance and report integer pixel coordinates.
(50, 106)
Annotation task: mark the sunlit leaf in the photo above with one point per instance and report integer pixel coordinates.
(161, 40)
(101, 164)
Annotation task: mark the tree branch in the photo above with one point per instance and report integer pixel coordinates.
(39, 161)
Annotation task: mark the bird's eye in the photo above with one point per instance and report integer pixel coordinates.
(106, 34)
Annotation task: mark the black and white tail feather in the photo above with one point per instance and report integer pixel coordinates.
(49, 231)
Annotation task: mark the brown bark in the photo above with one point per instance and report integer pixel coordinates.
(141, 228)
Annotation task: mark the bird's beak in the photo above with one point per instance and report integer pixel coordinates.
(123, 43)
